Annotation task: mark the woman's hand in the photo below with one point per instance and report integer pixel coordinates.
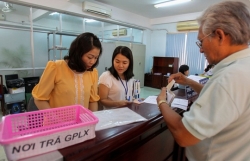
(123, 103)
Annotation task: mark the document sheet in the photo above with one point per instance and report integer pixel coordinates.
(116, 117)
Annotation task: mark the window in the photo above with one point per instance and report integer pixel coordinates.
(183, 45)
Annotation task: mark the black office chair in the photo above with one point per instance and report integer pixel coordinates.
(31, 105)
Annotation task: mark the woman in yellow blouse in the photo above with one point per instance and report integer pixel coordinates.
(72, 80)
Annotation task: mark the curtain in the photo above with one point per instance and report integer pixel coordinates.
(183, 46)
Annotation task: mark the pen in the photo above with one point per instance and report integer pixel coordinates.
(135, 88)
(139, 88)
(136, 91)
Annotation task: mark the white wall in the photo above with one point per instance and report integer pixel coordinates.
(176, 18)
(148, 58)
(169, 27)
(155, 41)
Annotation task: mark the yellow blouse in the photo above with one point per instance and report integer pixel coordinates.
(62, 87)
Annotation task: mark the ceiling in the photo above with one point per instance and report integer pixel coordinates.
(146, 8)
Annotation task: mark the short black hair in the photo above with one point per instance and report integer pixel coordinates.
(125, 51)
(208, 67)
(80, 46)
(183, 68)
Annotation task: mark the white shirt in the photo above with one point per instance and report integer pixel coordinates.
(220, 117)
(116, 88)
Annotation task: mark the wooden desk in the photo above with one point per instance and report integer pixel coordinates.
(140, 141)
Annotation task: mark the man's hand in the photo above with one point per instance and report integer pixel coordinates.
(183, 80)
(162, 95)
(179, 78)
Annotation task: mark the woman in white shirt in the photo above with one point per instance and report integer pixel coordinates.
(208, 70)
(116, 84)
(184, 69)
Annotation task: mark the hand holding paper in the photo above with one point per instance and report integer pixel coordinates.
(166, 95)
(170, 85)
(179, 78)
(170, 95)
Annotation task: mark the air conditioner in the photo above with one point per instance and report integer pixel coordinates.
(96, 8)
(187, 25)
(2, 17)
(122, 32)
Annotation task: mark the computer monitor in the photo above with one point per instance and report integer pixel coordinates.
(10, 77)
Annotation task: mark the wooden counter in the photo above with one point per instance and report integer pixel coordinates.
(142, 141)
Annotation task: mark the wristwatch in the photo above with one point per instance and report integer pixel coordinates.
(160, 102)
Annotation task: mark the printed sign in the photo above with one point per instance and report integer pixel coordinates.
(50, 142)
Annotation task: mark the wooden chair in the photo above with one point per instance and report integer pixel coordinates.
(2, 95)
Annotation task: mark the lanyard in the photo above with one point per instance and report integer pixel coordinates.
(126, 88)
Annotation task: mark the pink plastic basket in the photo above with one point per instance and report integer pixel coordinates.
(32, 133)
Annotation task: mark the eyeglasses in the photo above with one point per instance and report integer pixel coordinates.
(199, 42)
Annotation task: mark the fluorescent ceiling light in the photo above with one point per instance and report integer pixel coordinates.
(89, 20)
(170, 3)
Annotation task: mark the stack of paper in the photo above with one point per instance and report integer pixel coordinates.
(180, 103)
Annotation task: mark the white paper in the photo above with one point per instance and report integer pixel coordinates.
(170, 85)
(116, 117)
(180, 103)
(170, 97)
(151, 100)
(179, 106)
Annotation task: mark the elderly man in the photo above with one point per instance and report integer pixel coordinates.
(217, 126)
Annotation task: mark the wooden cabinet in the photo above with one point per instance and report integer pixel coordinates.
(156, 81)
(164, 82)
(165, 65)
(161, 66)
(147, 79)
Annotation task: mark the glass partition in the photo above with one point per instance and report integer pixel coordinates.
(10, 16)
(122, 33)
(50, 30)
(137, 35)
(72, 24)
(93, 26)
(108, 28)
(46, 20)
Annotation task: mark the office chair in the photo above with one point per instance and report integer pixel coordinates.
(31, 105)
